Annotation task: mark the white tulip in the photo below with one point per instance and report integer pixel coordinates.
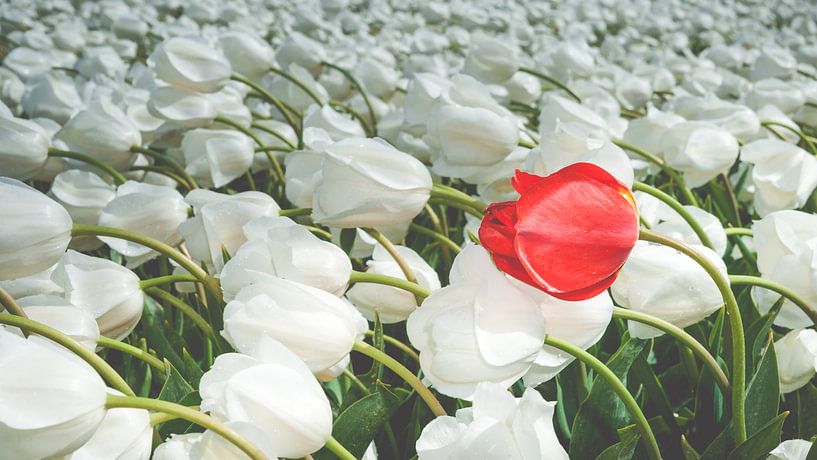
(248, 54)
(36, 230)
(125, 434)
(216, 157)
(101, 60)
(479, 328)
(392, 304)
(181, 107)
(211, 446)
(302, 50)
(700, 150)
(303, 167)
(218, 222)
(796, 359)
(784, 175)
(648, 132)
(337, 125)
(773, 62)
(291, 93)
(786, 96)
(667, 284)
(279, 247)
(60, 314)
(83, 194)
(497, 426)
(51, 96)
(423, 89)
(26, 62)
(666, 221)
(23, 147)
(52, 401)
(108, 290)
(151, 210)
(317, 326)
(378, 78)
(558, 109)
(264, 391)
(785, 242)
(491, 60)
(389, 186)
(793, 449)
(228, 102)
(190, 63)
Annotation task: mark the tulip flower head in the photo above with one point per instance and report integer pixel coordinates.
(568, 234)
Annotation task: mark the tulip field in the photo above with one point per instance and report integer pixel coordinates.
(408, 229)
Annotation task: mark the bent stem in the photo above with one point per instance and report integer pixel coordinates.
(276, 166)
(332, 445)
(306, 89)
(392, 250)
(187, 310)
(621, 390)
(363, 93)
(398, 344)
(108, 169)
(269, 97)
(167, 279)
(735, 324)
(100, 366)
(170, 161)
(768, 125)
(8, 302)
(677, 207)
(191, 415)
(447, 242)
(156, 363)
(210, 283)
(682, 336)
(552, 81)
(654, 159)
(274, 133)
(738, 231)
(457, 199)
(405, 374)
(745, 280)
(414, 288)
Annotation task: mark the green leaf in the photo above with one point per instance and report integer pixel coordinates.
(762, 442)
(688, 451)
(376, 372)
(175, 386)
(356, 427)
(602, 413)
(758, 333)
(656, 394)
(763, 393)
(812, 453)
(804, 410)
(624, 449)
(347, 239)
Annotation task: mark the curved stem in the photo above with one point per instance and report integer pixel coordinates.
(298, 83)
(652, 158)
(552, 81)
(735, 324)
(621, 390)
(294, 212)
(398, 344)
(457, 199)
(446, 241)
(100, 366)
(677, 207)
(269, 97)
(187, 310)
(438, 228)
(276, 166)
(191, 415)
(768, 124)
(740, 231)
(733, 199)
(354, 113)
(95, 230)
(167, 279)
(274, 133)
(11, 306)
(405, 374)
(164, 158)
(392, 250)
(332, 445)
(526, 144)
(363, 93)
(414, 288)
(156, 363)
(109, 170)
(682, 336)
(745, 280)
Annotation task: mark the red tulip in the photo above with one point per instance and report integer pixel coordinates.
(568, 234)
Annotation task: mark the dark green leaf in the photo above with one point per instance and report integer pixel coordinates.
(805, 410)
(763, 393)
(812, 453)
(624, 449)
(175, 386)
(758, 333)
(347, 239)
(688, 451)
(762, 442)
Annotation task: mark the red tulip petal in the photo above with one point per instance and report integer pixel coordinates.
(498, 229)
(588, 292)
(511, 266)
(522, 181)
(575, 229)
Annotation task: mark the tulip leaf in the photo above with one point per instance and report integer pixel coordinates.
(347, 239)
(376, 372)
(175, 386)
(764, 390)
(762, 442)
(602, 413)
(758, 333)
(624, 449)
(805, 407)
(656, 394)
(688, 451)
(356, 427)
(812, 453)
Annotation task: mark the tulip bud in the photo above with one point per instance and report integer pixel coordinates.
(291, 93)
(557, 110)
(786, 96)
(666, 221)
(700, 150)
(248, 55)
(479, 328)
(773, 62)
(784, 175)
(317, 326)
(181, 107)
(60, 314)
(216, 157)
(793, 449)
(51, 96)
(390, 186)
(108, 290)
(36, 230)
(491, 60)
(52, 401)
(378, 78)
(421, 93)
(279, 247)
(364, 244)
(151, 210)
(302, 50)
(796, 359)
(392, 304)
(219, 220)
(662, 282)
(190, 63)
(84, 195)
(23, 147)
(337, 125)
(496, 424)
(262, 391)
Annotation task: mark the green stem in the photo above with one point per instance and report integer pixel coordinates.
(274, 133)
(332, 445)
(191, 415)
(526, 144)
(398, 344)
(95, 230)
(654, 159)
(298, 83)
(363, 93)
(745, 280)
(269, 97)
(276, 166)
(294, 212)
(100, 366)
(552, 81)
(446, 241)
(405, 374)
(457, 199)
(735, 324)
(680, 335)
(439, 230)
(165, 158)
(414, 288)
(115, 175)
(740, 231)
(8, 302)
(621, 390)
(392, 250)
(768, 124)
(167, 279)
(156, 363)
(733, 199)
(355, 114)
(187, 310)
(677, 207)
